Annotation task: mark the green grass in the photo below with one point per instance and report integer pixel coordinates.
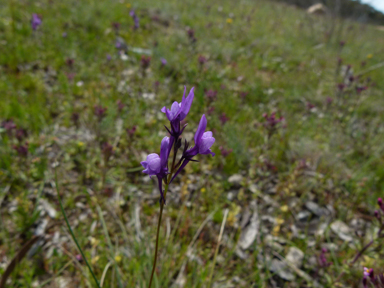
(280, 56)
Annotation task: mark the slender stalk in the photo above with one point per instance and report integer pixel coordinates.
(217, 247)
(162, 203)
(72, 234)
(157, 237)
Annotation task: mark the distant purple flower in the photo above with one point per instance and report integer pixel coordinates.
(131, 131)
(329, 100)
(145, 61)
(211, 94)
(79, 258)
(21, 134)
(119, 44)
(135, 19)
(116, 26)
(163, 62)
(108, 151)
(8, 125)
(360, 89)
(323, 261)
(225, 152)
(191, 35)
(100, 112)
(70, 62)
(22, 150)
(109, 57)
(36, 21)
(341, 87)
(203, 143)
(178, 113)
(381, 204)
(75, 118)
(120, 106)
(310, 106)
(271, 121)
(156, 165)
(201, 60)
(223, 118)
(64, 35)
(243, 95)
(211, 110)
(70, 76)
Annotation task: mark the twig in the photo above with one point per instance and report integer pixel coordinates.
(104, 273)
(17, 259)
(217, 247)
(70, 230)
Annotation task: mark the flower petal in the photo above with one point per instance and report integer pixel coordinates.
(164, 151)
(186, 105)
(205, 144)
(200, 129)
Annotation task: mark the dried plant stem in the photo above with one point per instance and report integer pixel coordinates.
(72, 234)
(217, 247)
(157, 237)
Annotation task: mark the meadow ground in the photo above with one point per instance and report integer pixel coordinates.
(295, 191)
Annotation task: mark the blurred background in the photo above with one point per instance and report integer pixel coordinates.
(293, 94)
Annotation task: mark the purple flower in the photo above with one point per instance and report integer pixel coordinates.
(22, 150)
(145, 61)
(225, 152)
(223, 118)
(100, 112)
(341, 86)
(323, 261)
(8, 125)
(163, 62)
(109, 57)
(131, 131)
(201, 59)
(135, 19)
(64, 34)
(108, 151)
(211, 94)
(272, 120)
(116, 26)
(75, 118)
(21, 134)
(36, 21)
(203, 143)
(381, 204)
(156, 165)
(178, 113)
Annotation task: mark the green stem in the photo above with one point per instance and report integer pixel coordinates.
(157, 237)
(70, 230)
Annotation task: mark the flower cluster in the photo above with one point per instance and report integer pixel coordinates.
(157, 165)
(370, 277)
(135, 19)
(36, 21)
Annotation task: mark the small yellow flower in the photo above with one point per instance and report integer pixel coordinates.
(95, 259)
(94, 241)
(369, 56)
(229, 20)
(202, 190)
(118, 258)
(128, 5)
(80, 144)
(279, 221)
(284, 208)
